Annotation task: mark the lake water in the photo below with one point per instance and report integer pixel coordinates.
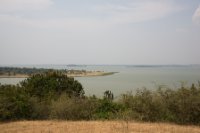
(128, 78)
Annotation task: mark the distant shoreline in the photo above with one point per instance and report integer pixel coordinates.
(14, 76)
(86, 74)
(92, 74)
(16, 72)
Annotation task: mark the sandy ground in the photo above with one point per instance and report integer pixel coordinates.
(91, 74)
(14, 76)
(93, 127)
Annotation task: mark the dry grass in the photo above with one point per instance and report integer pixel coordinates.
(93, 127)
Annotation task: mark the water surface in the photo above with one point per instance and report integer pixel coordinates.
(128, 78)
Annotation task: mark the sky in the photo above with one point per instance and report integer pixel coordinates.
(99, 32)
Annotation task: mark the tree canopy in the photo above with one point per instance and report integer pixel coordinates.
(52, 83)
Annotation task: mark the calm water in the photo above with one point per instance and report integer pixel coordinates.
(129, 78)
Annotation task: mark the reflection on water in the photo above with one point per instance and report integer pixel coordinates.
(129, 78)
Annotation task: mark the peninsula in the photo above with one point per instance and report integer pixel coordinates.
(16, 72)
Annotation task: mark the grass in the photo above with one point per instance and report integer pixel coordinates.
(93, 127)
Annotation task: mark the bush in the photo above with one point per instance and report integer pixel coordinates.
(107, 109)
(51, 85)
(181, 106)
(73, 108)
(40, 109)
(14, 103)
(53, 95)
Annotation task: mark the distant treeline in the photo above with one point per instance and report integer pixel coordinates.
(53, 95)
(24, 70)
(30, 71)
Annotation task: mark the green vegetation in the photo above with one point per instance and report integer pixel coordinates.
(53, 95)
(6, 72)
(27, 71)
(108, 73)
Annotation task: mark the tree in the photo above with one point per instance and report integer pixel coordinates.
(14, 103)
(108, 95)
(52, 84)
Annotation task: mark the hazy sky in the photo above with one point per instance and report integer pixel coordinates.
(99, 32)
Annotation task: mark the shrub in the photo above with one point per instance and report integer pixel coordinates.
(14, 103)
(40, 109)
(51, 85)
(180, 106)
(73, 108)
(108, 109)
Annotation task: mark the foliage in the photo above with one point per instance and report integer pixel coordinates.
(51, 85)
(107, 109)
(181, 106)
(31, 99)
(73, 108)
(14, 103)
(108, 95)
(16, 70)
(52, 95)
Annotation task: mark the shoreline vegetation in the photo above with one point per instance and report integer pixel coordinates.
(54, 97)
(14, 72)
